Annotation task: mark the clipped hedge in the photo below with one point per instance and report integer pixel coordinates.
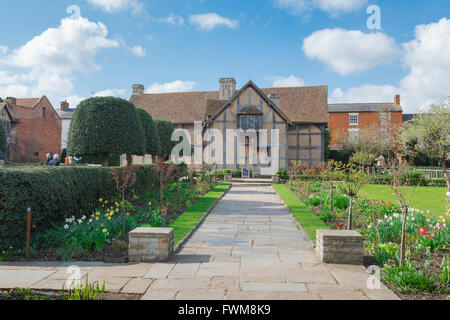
(54, 194)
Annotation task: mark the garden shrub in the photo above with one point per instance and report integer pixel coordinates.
(52, 193)
(283, 174)
(55, 194)
(165, 130)
(104, 125)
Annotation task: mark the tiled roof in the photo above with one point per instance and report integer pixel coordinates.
(213, 106)
(300, 104)
(27, 102)
(364, 107)
(66, 114)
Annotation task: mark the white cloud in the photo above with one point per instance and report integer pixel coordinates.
(336, 6)
(118, 5)
(175, 86)
(209, 21)
(173, 19)
(74, 100)
(291, 81)
(49, 60)
(349, 51)
(333, 7)
(138, 51)
(428, 60)
(3, 50)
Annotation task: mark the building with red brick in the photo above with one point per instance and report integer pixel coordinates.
(351, 119)
(33, 128)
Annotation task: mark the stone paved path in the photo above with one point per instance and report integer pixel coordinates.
(247, 248)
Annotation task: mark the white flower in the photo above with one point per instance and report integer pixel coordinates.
(90, 220)
(66, 227)
(84, 218)
(80, 221)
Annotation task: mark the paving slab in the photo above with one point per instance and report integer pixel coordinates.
(21, 278)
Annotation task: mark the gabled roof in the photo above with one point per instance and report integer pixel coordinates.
(250, 83)
(364, 107)
(5, 106)
(299, 104)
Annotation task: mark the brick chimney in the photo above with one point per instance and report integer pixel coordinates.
(397, 100)
(64, 105)
(138, 89)
(275, 99)
(227, 88)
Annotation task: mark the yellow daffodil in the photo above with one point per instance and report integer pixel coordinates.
(109, 218)
(101, 200)
(428, 220)
(96, 218)
(97, 213)
(105, 230)
(106, 201)
(149, 203)
(117, 210)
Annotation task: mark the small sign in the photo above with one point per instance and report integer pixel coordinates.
(245, 173)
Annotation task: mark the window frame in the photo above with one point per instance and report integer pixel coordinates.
(350, 115)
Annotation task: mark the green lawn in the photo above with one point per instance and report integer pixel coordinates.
(308, 220)
(425, 198)
(189, 219)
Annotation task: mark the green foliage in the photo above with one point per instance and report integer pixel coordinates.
(2, 137)
(52, 193)
(309, 221)
(385, 252)
(165, 130)
(428, 133)
(104, 125)
(407, 279)
(283, 174)
(363, 158)
(444, 272)
(55, 194)
(153, 145)
(88, 291)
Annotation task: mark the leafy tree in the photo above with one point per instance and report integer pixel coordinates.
(105, 125)
(165, 130)
(3, 144)
(153, 145)
(429, 134)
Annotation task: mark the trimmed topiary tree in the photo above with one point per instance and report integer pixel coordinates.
(165, 130)
(153, 145)
(3, 144)
(104, 125)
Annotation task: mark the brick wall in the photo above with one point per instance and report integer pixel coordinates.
(36, 134)
(339, 125)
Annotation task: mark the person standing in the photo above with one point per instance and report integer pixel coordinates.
(55, 161)
(48, 158)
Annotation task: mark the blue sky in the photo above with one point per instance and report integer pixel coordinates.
(188, 45)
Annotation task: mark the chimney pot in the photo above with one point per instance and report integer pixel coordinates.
(275, 99)
(138, 89)
(227, 88)
(397, 100)
(64, 105)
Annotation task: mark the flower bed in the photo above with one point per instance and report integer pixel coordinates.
(98, 235)
(426, 273)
